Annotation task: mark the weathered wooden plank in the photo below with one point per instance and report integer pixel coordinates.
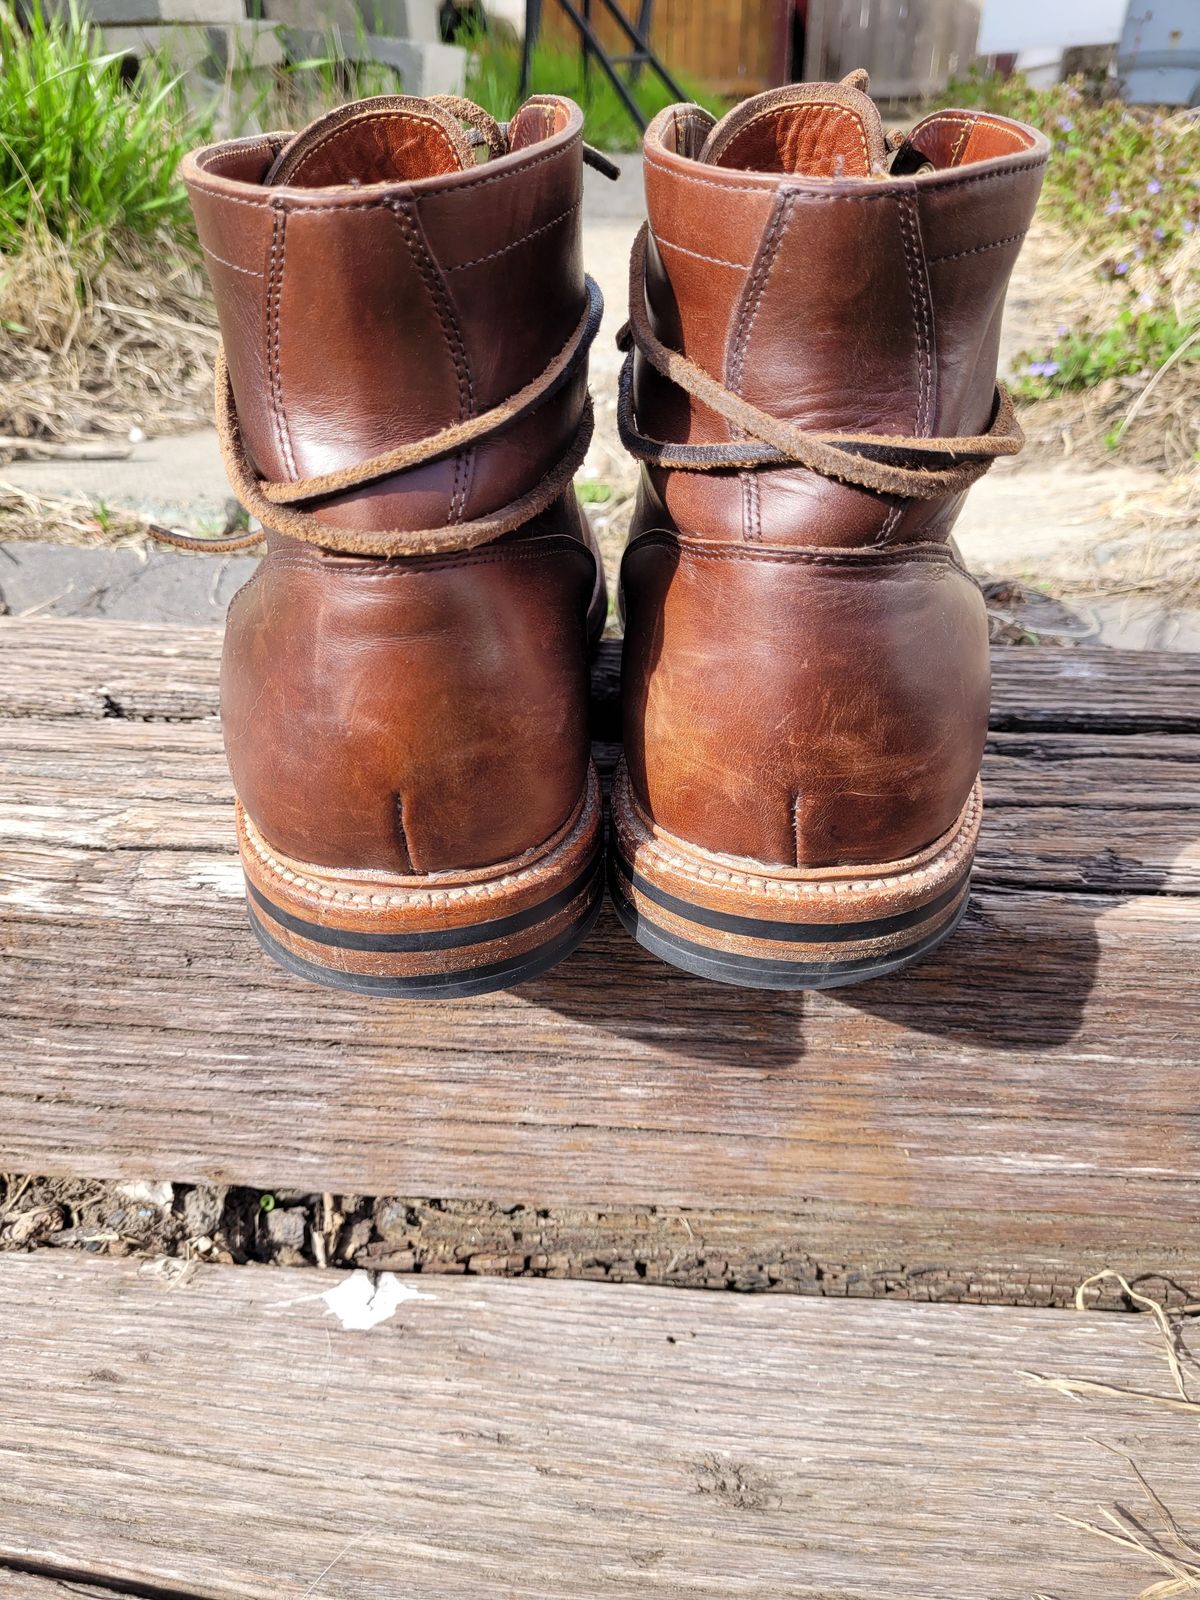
(994, 1125)
(560, 1441)
(56, 667)
(1072, 811)
(28, 1586)
(1043, 1065)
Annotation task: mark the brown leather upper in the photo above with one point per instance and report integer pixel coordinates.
(806, 663)
(375, 285)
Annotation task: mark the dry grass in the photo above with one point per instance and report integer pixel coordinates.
(83, 353)
(1169, 1548)
(61, 520)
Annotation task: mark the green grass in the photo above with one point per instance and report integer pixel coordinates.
(493, 80)
(1125, 180)
(85, 157)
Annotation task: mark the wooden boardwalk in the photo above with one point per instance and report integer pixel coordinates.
(224, 1437)
(994, 1126)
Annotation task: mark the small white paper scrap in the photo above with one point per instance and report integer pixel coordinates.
(363, 1299)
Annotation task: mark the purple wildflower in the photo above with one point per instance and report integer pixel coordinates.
(1121, 268)
(1160, 234)
(1041, 369)
(1065, 124)
(1154, 187)
(1188, 226)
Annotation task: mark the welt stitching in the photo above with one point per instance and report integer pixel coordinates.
(450, 331)
(360, 122)
(717, 261)
(957, 255)
(841, 112)
(274, 363)
(524, 239)
(249, 271)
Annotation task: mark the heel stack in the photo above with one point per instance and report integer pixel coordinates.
(769, 927)
(436, 936)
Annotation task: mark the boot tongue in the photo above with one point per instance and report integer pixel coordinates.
(389, 139)
(814, 130)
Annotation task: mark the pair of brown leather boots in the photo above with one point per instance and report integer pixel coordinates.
(402, 399)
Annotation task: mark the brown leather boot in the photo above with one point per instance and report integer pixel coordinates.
(816, 314)
(403, 402)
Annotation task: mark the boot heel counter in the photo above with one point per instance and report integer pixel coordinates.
(410, 717)
(807, 708)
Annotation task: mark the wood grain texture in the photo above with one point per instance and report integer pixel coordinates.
(995, 1124)
(225, 1438)
(67, 667)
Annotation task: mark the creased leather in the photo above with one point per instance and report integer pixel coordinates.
(806, 662)
(425, 713)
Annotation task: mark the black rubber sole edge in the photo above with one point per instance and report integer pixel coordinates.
(438, 985)
(749, 972)
(436, 939)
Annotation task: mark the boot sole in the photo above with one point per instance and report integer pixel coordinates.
(767, 927)
(435, 937)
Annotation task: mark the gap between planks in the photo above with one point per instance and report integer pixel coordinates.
(973, 1123)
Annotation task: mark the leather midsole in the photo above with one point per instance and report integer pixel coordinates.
(379, 912)
(728, 897)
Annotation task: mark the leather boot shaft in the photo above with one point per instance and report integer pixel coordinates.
(402, 401)
(814, 319)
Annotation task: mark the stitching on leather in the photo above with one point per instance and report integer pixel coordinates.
(996, 244)
(231, 148)
(499, 177)
(890, 522)
(413, 566)
(803, 555)
(804, 197)
(944, 860)
(274, 297)
(918, 293)
(361, 122)
(443, 305)
(717, 261)
(753, 298)
(841, 112)
(300, 209)
(966, 123)
(764, 192)
(249, 271)
(524, 239)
